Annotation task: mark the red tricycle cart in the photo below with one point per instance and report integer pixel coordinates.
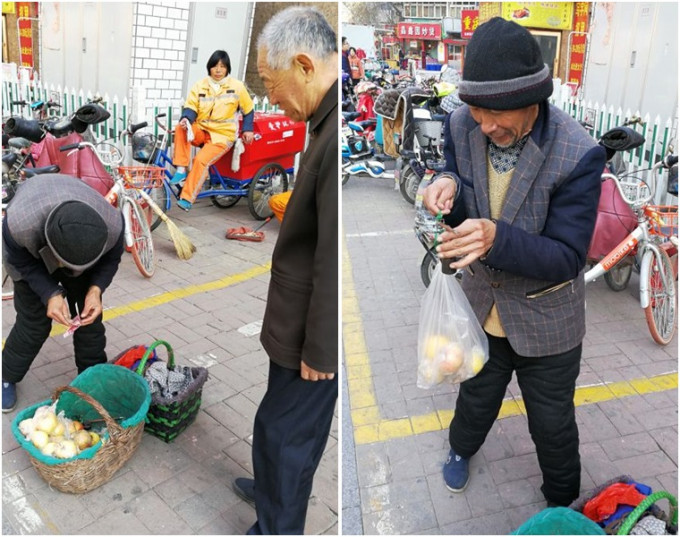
(263, 167)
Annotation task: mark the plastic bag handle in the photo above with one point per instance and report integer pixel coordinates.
(149, 351)
(645, 504)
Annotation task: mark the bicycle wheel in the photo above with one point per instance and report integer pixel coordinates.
(269, 180)
(160, 196)
(224, 202)
(618, 277)
(409, 184)
(142, 243)
(661, 310)
(429, 265)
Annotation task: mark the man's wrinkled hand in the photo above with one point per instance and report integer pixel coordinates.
(247, 137)
(307, 373)
(57, 310)
(468, 241)
(92, 307)
(439, 196)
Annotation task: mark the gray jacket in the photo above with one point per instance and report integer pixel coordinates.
(534, 271)
(24, 246)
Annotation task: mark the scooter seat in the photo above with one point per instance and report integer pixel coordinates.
(19, 143)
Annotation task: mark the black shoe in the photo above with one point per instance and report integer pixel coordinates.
(244, 488)
(9, 396)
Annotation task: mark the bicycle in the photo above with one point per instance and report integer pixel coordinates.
(650, 242)
(125, 196)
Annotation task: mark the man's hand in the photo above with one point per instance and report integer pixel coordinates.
(307, 373)
(185, 123)
(92, 306)
(57, 310)
(469, 241)
(247, 137)
(439, 196)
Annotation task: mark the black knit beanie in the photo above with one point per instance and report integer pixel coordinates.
(76, 233)
(504, 68)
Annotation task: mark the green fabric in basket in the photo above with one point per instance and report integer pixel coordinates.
(120, 391)
(559, 521)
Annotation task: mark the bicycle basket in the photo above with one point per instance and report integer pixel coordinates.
(142, 176)
(143, 144)
(664, 220)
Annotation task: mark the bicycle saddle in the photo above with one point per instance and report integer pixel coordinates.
(59, 128)
(30, 172)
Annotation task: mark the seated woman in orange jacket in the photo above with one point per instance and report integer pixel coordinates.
(209, 112)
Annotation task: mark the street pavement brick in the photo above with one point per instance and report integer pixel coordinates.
(449, 506)
(628, 446)
(624, 422)
(183, 487)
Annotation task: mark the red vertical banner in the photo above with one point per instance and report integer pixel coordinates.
(577, 50)
(24, 10)
(469, 20)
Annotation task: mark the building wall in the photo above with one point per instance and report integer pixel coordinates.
(159, 49)
(633, 59)
(263, 12)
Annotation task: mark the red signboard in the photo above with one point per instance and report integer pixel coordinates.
(25, 34)
(419, 30)
(577, 50)
(469, 20)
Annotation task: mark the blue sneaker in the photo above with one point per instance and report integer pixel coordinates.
(178, 178)
(9, 396)
(456, 472)
(184, 204)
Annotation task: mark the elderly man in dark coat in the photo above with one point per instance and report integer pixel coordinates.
(521, 190)
(61, 244)
(298, 63)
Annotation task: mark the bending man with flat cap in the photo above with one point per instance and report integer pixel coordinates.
(520, 196)
(61, 245)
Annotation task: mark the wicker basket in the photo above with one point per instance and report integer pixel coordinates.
(142, 176)
(168, 419)
(97, 464)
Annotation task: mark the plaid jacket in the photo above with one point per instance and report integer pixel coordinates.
(23, 233)
(534, 271)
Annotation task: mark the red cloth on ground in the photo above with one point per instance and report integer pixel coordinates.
(131, 356)
(606, 502)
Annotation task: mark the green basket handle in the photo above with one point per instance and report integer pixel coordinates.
(149, 351)
(645, 504)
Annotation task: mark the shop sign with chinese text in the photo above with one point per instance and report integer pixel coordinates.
(469, 20)
(550, 15)
(577, 50)
(419, 30)
(24, 12)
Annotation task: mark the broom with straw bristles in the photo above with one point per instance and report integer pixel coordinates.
(183, 246)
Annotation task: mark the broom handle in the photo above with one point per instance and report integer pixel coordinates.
(153, 205)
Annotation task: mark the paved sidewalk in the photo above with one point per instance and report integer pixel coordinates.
(395, 436)
(208, 309)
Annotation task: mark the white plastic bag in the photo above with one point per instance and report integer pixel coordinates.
(452, 346)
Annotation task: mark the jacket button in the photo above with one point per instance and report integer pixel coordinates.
(495, 285)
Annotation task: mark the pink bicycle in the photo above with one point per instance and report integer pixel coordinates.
(654, 246)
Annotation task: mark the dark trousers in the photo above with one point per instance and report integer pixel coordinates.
(547, 384)
(291, 429)
(33, 326)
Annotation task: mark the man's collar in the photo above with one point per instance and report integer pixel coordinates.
(328, 103)
(539, 128)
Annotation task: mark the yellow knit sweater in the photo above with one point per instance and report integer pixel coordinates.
(498, 188)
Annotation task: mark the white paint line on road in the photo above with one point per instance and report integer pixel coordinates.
(379, 233)
(251, 329)
(29, 520)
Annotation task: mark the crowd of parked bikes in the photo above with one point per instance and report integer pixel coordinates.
(392, 129)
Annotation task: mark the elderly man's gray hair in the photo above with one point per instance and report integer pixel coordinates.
(295, 30)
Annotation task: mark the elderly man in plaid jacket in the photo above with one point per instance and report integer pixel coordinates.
(61, 245)
(520, 195)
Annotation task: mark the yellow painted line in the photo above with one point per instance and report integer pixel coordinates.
(370, 427)
(184, 292)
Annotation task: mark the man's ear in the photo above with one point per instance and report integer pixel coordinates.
(305, 63)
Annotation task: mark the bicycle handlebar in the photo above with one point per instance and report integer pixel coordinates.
(70, 146)
(134, 128)
(666, 162)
